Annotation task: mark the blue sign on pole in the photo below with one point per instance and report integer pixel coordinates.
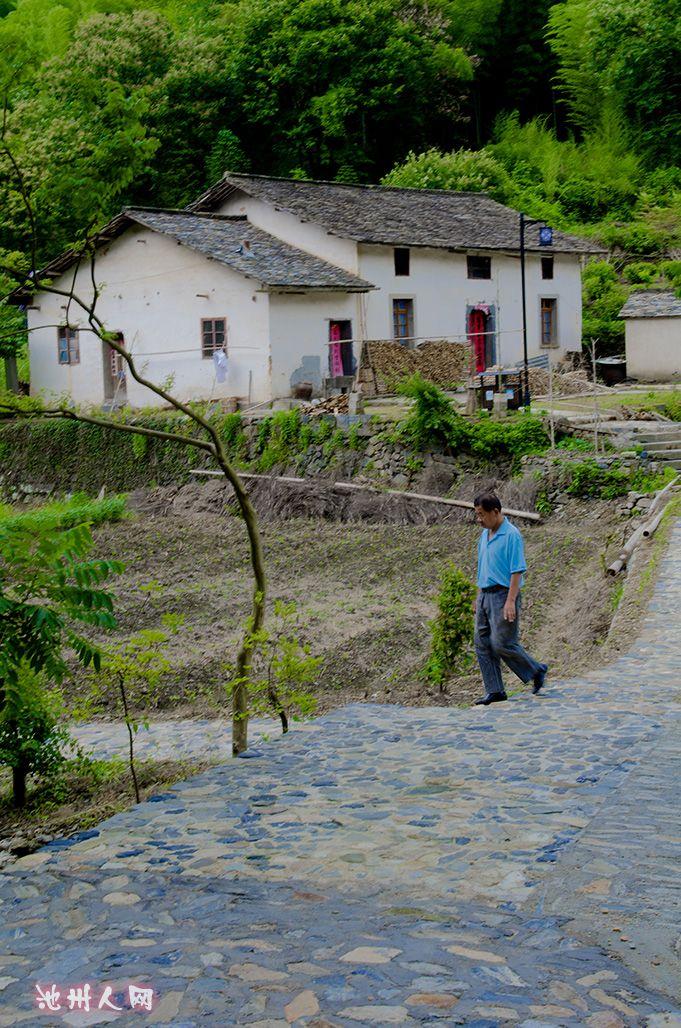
(545, 236)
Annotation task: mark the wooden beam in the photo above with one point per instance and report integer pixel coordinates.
(348, 486)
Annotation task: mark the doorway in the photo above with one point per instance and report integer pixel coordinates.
(341, 358)
(481, 337)
(115, 382)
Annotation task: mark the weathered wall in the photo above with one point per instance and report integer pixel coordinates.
(299, 331)
(653, 348)
(156, 292)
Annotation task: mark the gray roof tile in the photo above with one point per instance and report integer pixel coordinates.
(652, 304)
(248, 250)
(436, 218)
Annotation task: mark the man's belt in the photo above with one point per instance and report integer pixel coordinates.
(495, 589)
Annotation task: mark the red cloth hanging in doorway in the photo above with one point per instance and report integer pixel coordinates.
(477, 324)
(335, 352)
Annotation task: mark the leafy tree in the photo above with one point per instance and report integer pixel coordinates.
(48, 589)
(284, 666)
(227, 154)
(517, 67)
(31, 739)
(327, 84)
(131, 674)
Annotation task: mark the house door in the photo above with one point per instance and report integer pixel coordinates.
(481, 337)
(341, 360)
(114, 373)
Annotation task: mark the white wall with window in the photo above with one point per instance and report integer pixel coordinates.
(172, 306)
(441, 288)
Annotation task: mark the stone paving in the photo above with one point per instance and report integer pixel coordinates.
(512, 865)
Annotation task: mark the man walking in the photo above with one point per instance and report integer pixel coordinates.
(501, 563)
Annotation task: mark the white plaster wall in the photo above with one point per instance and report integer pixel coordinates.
(299, 327)
(653, 348)
(442, 292)
(150, 286)
(305, 235)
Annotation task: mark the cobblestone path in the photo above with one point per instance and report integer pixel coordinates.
(513, 865)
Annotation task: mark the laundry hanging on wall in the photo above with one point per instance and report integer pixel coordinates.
(220, 364)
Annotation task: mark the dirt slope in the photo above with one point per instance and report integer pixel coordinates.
(365, 594)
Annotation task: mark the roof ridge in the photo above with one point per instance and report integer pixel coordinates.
(191, 214)
(369, 186)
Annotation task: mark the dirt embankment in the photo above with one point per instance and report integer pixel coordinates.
(365, 592)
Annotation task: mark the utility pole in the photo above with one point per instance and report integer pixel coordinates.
(526, 370)
(545, 239)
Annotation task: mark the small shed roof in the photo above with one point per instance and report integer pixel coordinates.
(438, 218)
(652, 304)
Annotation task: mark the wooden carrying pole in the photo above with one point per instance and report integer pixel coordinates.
(347, 486)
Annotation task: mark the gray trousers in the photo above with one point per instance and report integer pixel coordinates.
(497, 639)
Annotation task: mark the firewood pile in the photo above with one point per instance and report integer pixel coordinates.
(384, 363)
(565, 382)
(333, 405)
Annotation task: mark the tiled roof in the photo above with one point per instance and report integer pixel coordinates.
(248, 250)
(232, 241)
(437, 218)
(651, 304)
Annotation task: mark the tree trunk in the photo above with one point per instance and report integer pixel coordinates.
(19, 786)
(11, 375)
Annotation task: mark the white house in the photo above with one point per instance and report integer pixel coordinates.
(653, 336)
(287, 278)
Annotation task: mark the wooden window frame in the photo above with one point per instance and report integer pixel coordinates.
(411, 314)
(72, 350)
(487, 266)
(208, 351)
(547, 268)
(553, 300)
(402, 259)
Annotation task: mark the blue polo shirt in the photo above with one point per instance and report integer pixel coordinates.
(501, 556)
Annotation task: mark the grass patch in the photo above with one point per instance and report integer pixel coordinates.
(79, 509)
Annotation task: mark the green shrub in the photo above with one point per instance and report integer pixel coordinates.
(643, 481)
(432, 423)
(574, 444)
(671, 407)
(354, 438)
(452, 629)
(508, 439)
(278, 439)
(469, 170)
(325, 430)
(641, 273)
(140, 445)
(589, 480)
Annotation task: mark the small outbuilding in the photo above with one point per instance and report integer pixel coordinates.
(653, 335)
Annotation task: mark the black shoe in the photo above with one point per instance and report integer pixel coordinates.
(495, 697)
(539, 679)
